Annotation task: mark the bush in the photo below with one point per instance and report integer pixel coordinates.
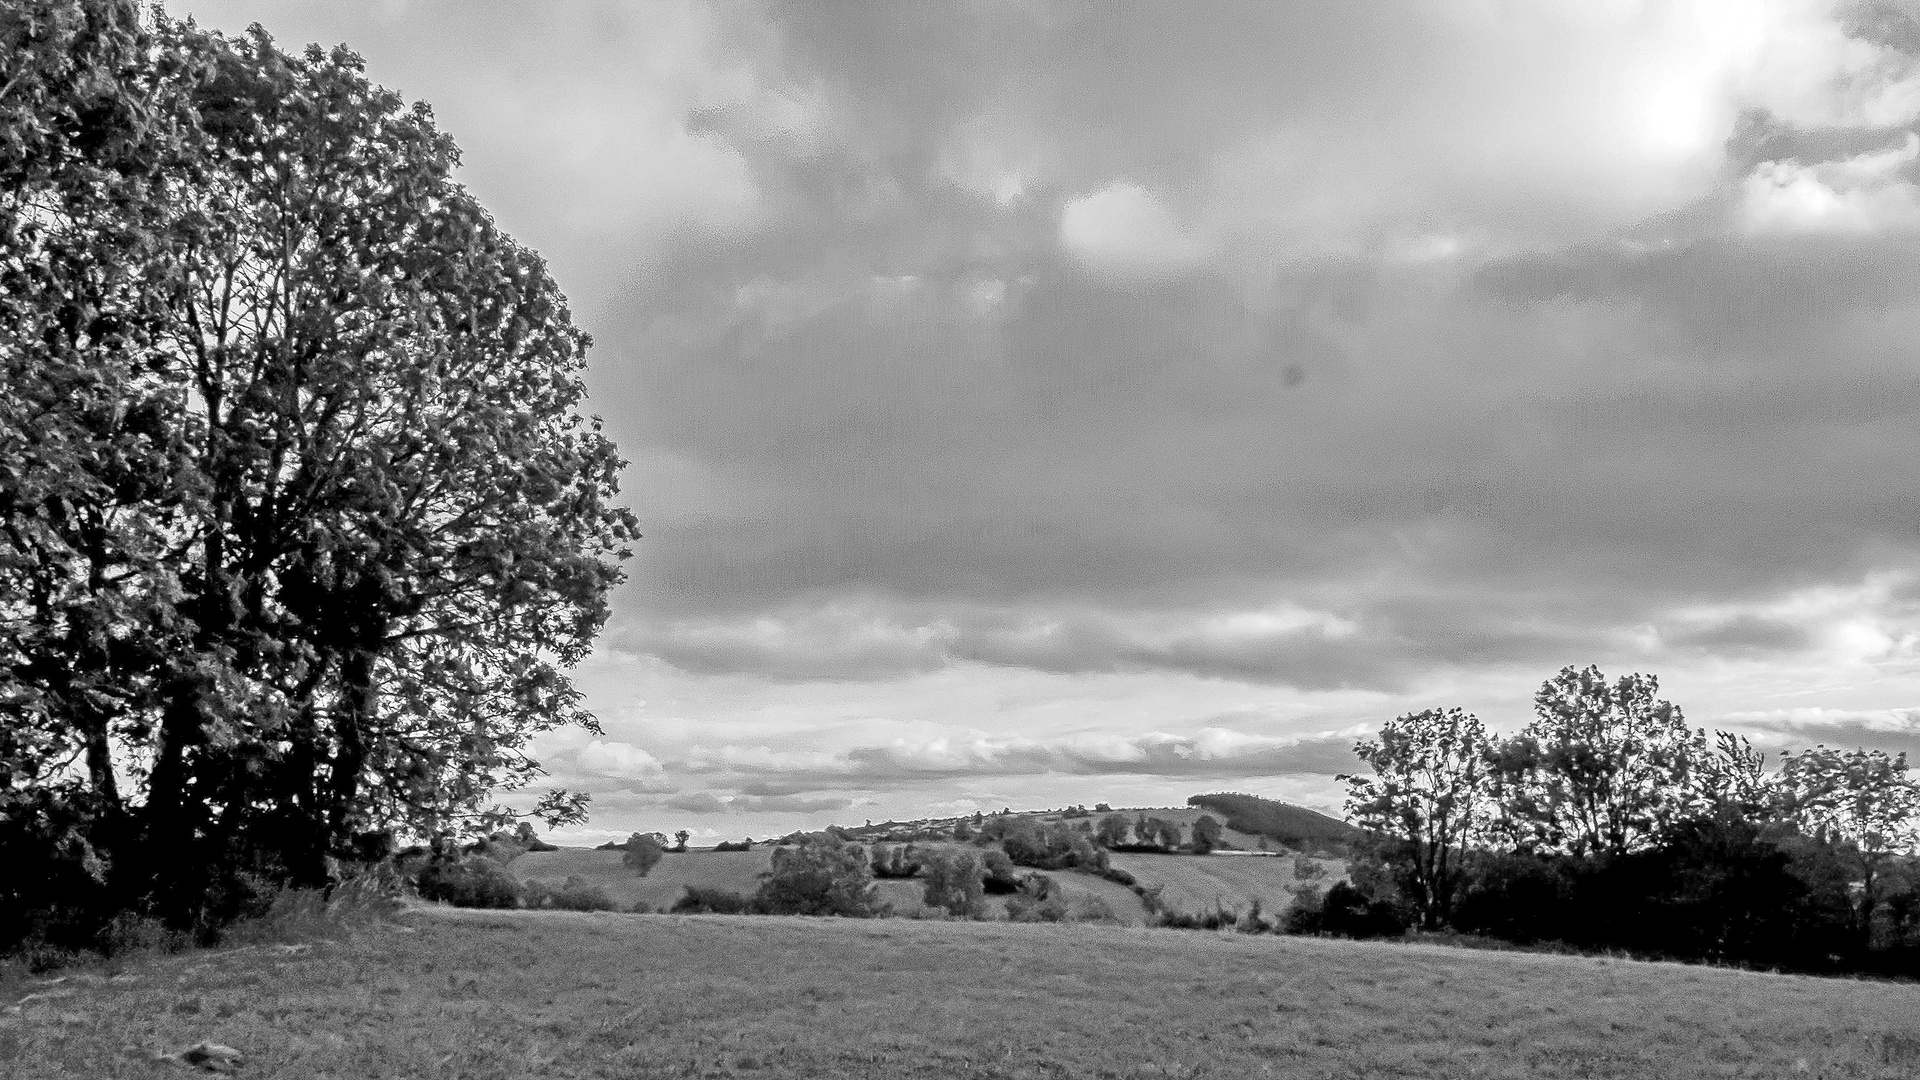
(1114, 873)
(1037, 899)
(895, 861)
(997, 873)
(1306, 868)
(953, 883)
(1206, 834)
(698, 901)
(744, 845)
(644, 850)
(576, 894)
(1344, 911)
(1050, 847)
(1220, 918)
(821, 875)
(472, 881)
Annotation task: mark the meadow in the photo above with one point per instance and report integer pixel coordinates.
(446, 993)
(1187, 883)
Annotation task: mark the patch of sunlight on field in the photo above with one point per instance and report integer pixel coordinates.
(494, 995)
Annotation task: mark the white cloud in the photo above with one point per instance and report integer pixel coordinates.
(1124, 231)
(618, 759)
(1865, 195)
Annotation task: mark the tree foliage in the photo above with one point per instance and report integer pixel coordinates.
(1603, 768)
(1428, 797)
(954, 882)
(300, 524)
(1865, 802)
(820, 875)
(643, 852)
(1606, 823)
(1206, 834)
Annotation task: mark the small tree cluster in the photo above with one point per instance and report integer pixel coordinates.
(955, 883)
(822, 874)
(1607, 821)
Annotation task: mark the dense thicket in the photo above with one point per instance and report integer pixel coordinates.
(1608, 823)
(299, 523)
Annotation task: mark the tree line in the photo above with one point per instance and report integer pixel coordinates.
(1608, 822)
(300, 522)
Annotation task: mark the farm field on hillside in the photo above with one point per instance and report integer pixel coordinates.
(734, 871)
(445, 993)
(1195, 883)
(739, 871)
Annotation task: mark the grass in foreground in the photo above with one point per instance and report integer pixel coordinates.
(445, 993)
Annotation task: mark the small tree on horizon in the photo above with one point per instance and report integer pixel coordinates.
(643, 852)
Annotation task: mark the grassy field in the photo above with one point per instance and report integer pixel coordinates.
(734, 871)
(739, 871)
(440, 993)
(1188, 883)
(1196, 884)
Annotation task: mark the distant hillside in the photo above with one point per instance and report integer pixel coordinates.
(1294, 826)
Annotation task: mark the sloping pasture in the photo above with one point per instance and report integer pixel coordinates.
(1197, 883)
(734, 871)
(446, 994)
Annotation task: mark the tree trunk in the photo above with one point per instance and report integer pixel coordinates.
(359, 698)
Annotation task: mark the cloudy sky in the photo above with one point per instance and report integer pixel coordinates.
(1043, 403)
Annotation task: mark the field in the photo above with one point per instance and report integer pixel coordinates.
(1188, 883)
(734, 871)
(441, 993)
(1198, 884)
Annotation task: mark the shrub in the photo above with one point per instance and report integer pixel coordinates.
(1206, 834)
(1306, 868)
(744, 845)
(575, 894)
(821, 875)
(895, 861)
(696, 900)
(529, 840)
(1220, 918)
(997, 873)
(1344, 911)
(1092, 909)
(1051, 847)
(644, 850)
(471, 881)
(953, 883)
(1037, 899)
(1114, 873)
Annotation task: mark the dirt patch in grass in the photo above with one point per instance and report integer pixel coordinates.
(484, 995)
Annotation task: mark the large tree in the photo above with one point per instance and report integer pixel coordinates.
(332, 412)
(1606, 767)
(1426, 802)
